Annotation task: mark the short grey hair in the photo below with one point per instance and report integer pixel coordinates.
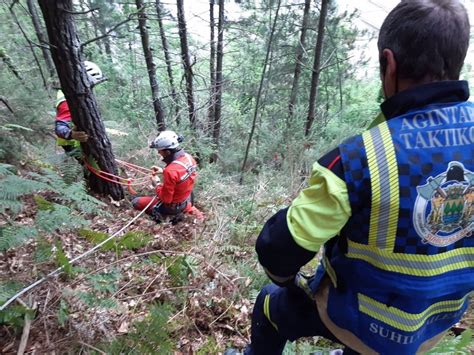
(429, 39)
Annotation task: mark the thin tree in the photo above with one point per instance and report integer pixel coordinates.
(150, 65)
(212, 66)
(216, 126)
(259, 93)
(169, 69)
(66, 54)
(188, 71)
(30, 45)
(316, 66)
(299, 61)
(41, 37)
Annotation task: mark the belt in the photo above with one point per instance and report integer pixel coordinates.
(178, 205)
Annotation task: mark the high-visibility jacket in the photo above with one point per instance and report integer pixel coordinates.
(403, 268)
(63, 123)
(178, 179)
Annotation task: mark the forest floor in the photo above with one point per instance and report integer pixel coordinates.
(113, 289)
(206, 284)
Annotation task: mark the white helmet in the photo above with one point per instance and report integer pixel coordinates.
(94, 74)
(166, 140)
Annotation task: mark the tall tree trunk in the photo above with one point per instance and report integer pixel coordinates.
(259, 93)
(299, 59)
(65, 50)
(164, 43)
(159, 117)
(212, 67)
(216, 126)
(30, 45)
(316, 66)
(41, 37)
(94, 22)
(188, 71)
(101, 14)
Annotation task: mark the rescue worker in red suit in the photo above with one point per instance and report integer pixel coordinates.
(174, 194)
(67, 137)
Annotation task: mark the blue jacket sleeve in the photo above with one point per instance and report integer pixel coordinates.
(62, 129)
(277, 251)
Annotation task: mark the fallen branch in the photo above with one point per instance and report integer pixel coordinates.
(26, 330)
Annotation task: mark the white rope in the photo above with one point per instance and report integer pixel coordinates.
(52, 273)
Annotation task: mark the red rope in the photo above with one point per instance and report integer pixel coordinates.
(134, 167)
(113, 178)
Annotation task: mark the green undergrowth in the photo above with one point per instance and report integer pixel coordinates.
(152, 335)
(129, 241)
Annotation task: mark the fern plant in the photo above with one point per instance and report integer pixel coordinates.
(149, 336)
(62, 211)
(15, 314)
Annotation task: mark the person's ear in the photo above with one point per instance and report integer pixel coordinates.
(389, 74)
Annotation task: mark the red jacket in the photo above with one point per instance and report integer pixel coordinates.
(178, 179)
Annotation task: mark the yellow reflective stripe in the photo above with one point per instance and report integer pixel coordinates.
(375, 186)
(383, 169)
(394, 187)
(402, 320)
(65, 142)
(328, 267)
(413, 264)
(266, 310)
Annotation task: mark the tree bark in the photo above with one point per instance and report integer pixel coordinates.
(164, 43)
(216, 126)
(316, 66)
(212, 67)
(41, 37)
(65, 50)
(259, 93)
(150, 65)
(298, 63)
(188, 71)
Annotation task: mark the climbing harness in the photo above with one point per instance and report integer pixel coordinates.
(189, 166)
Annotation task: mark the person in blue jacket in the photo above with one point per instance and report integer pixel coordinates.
(392, 208)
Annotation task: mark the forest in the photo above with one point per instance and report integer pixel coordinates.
(258, 89)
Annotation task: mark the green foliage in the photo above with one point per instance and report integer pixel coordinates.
(461, 344)
(12, 237)
(209, 347)
(129, 241)
(105, 282)
(12, 187)
(44, 250)
(62, 210)
(14, 314)
(63, 313)
(43, 204)
(133, 240)
(63, 261)
(6, 169)
(179, 268)
(150, 336)
(97, 238)
(91, 299)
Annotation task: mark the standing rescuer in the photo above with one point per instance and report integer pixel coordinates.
(175, 192)
(392, 207)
